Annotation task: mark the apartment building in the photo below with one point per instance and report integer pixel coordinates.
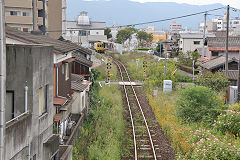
(174, 27)
(27, 15)
(55, 18)
(220, 24)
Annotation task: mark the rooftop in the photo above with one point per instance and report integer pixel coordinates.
(59, 46)
(217, 62)
(194, 35)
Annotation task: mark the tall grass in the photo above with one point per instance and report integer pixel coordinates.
(103, 70)
(101, 135)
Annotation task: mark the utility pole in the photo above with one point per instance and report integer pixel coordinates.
(238, 98)
(160, 49)
(165, 62)
(2, 80)
(204, 34)
(227, 32)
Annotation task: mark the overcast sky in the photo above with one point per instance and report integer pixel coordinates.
(232, 3)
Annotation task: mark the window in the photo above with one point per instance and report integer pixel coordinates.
(9, 113)
(13, 13)
(25, 29)
(62, 69)
(214, 53)
(25, 14)
(196, 42)
(42, 97)
(66, 71)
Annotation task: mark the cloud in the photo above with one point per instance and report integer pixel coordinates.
(232, 3)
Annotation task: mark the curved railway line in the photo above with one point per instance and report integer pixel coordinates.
(142, 130)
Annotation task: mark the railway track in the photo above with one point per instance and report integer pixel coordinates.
(143, 133)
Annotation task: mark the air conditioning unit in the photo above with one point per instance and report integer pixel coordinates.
(233, 94)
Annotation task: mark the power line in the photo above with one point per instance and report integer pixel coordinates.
(168, 19)
(156, 21)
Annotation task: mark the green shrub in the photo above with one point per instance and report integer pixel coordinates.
(234, 107)
(198, 103)
(228, 123)
(143, 49)
(217, 81)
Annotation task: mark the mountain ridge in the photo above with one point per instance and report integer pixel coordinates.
(125, 12)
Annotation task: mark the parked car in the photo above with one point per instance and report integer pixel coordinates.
(150, 51)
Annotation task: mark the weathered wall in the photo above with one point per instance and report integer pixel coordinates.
(80, 102)
(64, 86)
(17, 138)
(19, 74)
(33, 64)
(42, 75)
(55, 18)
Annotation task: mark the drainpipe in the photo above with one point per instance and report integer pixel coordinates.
(57, 82)
(26, 99)
(2, 80)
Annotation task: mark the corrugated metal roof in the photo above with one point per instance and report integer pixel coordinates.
(216, 62)
(77, 78)
(232, 74)
(221, 42)
(77, 83)
(82, 59)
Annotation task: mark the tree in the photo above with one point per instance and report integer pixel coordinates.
(187, 58)
(125, 34)
(216, 81)
(158, 48)
(107, 32)
(144, 36)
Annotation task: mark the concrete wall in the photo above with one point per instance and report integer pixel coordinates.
(79, 104)
(55, 18)
(33, 64)
(19, 74)
(17, 138)
(188, 44)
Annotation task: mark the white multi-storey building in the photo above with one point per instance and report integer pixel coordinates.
(174, 27)
(220, 24)
(84, 32)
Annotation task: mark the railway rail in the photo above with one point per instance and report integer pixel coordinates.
(142, 132)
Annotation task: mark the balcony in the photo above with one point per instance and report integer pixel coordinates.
(65, 152)
(19, 20)
(39, 5)
(40, 21)
(17, 135)
(18, 3)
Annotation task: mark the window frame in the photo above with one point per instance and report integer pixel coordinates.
(214, 52)
(13, 12)
(196, 42)
(66, 71)
(43, 100)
